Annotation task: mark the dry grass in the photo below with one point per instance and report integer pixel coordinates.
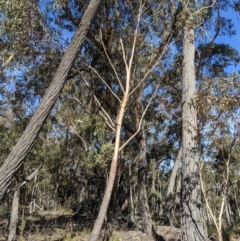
(60, 224)
(56, 235)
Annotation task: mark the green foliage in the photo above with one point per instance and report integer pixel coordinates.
(22, 226)
(114, 237)
(101, 157)
(155, 194)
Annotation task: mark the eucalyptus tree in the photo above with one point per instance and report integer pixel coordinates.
(213, 76)
(203, 51)
(219, 121)
(103, 37)
(19, 152)
(193, 220)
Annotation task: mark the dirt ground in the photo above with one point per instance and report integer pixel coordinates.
(65, 226)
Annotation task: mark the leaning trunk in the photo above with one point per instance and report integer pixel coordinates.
(170, 190)
(112, 175)
(24, 145)
(193, 222)
(173, 176)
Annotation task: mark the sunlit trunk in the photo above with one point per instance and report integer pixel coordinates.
(193, 221)
(14, 215)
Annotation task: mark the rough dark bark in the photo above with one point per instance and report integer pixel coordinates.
(193, 222)
(14, 215)
(142, 187)
(144, 209)
(24, 145)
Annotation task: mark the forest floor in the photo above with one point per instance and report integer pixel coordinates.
(63, 225)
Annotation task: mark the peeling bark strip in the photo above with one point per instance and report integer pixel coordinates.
(14, 215)
(24, 144)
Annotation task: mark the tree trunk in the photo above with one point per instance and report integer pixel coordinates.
(170, 192)
(132, 216)
(24, 144)
(177, 208)
(144, 209)
(112, 175)
(153, 199)
(142, 187)
(142, 190)
(174, 174)
(193, 222)
(14, 216)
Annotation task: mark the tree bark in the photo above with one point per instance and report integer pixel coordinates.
(144, 209)
(170, 192)
(142, 187)
(174, 174)
(14, 215)
(24, 144)
(193, 222)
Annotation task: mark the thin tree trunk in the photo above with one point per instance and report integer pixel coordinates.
(178, 191)
(32, 204)
(119, 119)
(170, 192)
(142, 187)
(14, 216)
(24, 145)
(174, 174)
(142, 190)
(193, 221)
(132, 216)
(108, 192)
(228, 211)
(153, 189)
(142, 171)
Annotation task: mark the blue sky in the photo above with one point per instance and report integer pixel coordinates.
(233, 41)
